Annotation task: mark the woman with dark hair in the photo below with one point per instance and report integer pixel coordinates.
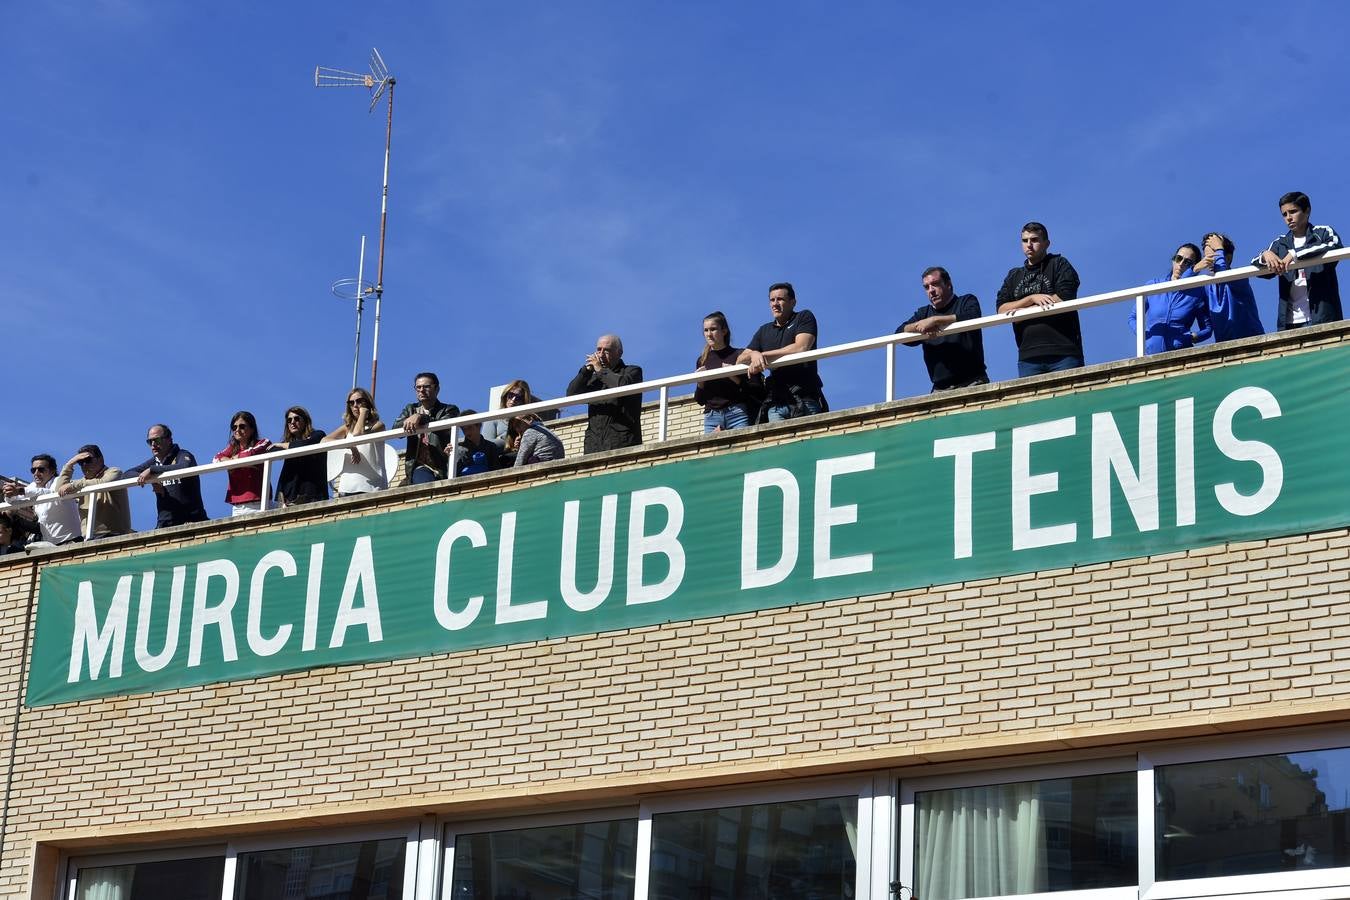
(11, 535)
(362, 467)
(246, 493)
(722, 399)
(1176, 319)
(304, 479)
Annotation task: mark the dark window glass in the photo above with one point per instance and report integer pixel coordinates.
(367, 870)
(1027, 837)
(1257, 814)
(593, 861)
(772, 851)
(182, 879)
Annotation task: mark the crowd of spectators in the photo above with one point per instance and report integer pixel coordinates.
(1173, 319)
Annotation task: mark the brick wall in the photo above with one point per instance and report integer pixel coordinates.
(1225, 638)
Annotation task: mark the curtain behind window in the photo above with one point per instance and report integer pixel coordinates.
(981, 842)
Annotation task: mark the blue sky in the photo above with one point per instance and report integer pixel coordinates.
(178, 196)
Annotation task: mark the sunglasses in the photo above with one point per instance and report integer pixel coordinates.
(1185, 260)
(37, 469)
(239, 426)
(155, 440)
(290, 419)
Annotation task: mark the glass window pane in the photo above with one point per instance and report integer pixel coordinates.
(1061, 834)
(770, 851)
(1258, 814)
(366, 870)
(183, 879)
(591, 861)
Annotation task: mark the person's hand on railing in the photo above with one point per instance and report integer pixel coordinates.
(1277, 264)
(1042, 301)
(755, 360)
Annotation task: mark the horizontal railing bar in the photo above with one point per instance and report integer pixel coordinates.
(686, 378)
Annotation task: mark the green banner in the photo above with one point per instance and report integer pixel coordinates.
(1246, 451)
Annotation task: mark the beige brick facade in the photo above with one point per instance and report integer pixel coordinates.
(1222, 639)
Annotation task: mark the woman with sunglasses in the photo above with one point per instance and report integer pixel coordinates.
(1168, 318)
(360, 469)
(246, 493)
(514, 394)
(304, 479)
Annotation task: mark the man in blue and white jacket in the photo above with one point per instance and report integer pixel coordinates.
(1310, 295)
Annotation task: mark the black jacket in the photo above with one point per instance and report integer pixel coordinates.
(610, 424)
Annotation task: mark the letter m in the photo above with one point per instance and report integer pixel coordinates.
(88, 637)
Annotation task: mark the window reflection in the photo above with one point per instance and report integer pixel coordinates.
(1252, 815)
(591, 861)
(183, 879)
(1027, 837)
(366, 870)
(805, 850)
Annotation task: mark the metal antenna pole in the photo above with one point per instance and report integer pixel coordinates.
(378, 80)
(360, 307)
(384, 219)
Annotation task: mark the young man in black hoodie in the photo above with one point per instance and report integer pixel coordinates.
(1045, 343)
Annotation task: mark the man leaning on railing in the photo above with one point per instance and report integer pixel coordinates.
(1048, 343)
(112, 511)
(177, 500)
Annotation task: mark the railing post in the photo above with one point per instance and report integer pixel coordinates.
(264, 502)
(890, 372)
(452, 445)
(1140, 325)
(661, 415)
(93, 511)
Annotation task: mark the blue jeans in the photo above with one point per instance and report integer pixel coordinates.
(809, 406)
(1041, 364)
(726, 418)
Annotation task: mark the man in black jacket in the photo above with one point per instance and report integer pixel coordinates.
(1310, 295)
(426, 458)
(1045, 343)
(953, 360)
(178, 500)
(610, 424)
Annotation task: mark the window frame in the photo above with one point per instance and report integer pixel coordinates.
(72, 863)
(909, 787)
(411, 832)
(452, 829)
(1316, 884)
(860, 786)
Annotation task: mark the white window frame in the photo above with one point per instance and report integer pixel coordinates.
(72, 863)
(451, 830)
(860, 786)
(982, 778)
(409, 831)
(1315, 884)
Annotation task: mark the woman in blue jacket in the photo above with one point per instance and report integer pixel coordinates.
(1168, 317)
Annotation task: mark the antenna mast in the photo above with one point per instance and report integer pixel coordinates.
(377, 81)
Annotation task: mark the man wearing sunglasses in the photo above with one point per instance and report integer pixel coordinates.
(112, 512)
(58, 520)
(177, 500)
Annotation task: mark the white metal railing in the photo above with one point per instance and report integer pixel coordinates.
(663, 385)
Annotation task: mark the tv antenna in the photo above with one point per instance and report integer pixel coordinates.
(377, 80)
(358, 289)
